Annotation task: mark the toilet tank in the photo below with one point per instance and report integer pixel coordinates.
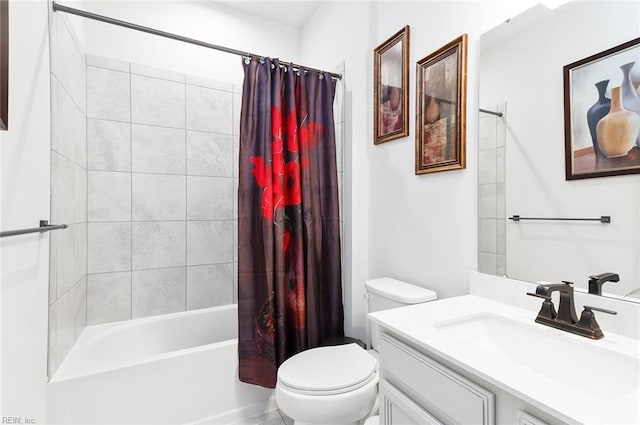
(386, 293)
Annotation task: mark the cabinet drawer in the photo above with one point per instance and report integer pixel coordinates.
(451, 397)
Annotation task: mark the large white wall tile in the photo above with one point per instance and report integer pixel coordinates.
(80, 235)
(70, 63)
(158, 291)
(487, 235)
(52, 358)
(209, 154)
(80, 138)
(237, 108)
(209, 110)
(487, 132)
(109, 247)
(71, 317)
(501, 200)
(108, 94)
(108, 145)
(209, 285)
(487, 263)
(154, 72)
(157, 102)
(487, 200)
(71, 257)
(158, 244)
(487, 166)
(108, 297)
(157, 149)
(108, 63)
(209, 198)
(500, 164)
(63, 189)
(54, 113)
(79, 201)
(68, 117)
(209, 242)
(109, 196)
(159, 197)
(209, 83)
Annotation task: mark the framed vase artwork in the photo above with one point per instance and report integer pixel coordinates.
(390, 88)
(441, 91)
(602, 113)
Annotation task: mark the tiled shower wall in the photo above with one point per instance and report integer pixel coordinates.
(68, 248)
(491, 193)
(162, 182)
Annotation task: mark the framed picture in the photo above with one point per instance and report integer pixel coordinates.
(390, 88)
(602, 113)
(441, 97)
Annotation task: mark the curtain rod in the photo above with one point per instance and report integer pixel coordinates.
(57, 7)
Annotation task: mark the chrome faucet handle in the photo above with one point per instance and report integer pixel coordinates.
(604, 310)
(566, 282)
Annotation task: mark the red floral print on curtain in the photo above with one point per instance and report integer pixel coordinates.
(289, 287)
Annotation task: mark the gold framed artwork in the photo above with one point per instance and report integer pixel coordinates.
(390, 88)
(441, 97)
(602, 113)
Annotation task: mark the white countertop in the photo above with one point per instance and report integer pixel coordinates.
(420, 325)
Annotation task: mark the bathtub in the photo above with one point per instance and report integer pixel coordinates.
(172, 369)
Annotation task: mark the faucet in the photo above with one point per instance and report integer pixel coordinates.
(566, 319)
(566, 308)
(596, 281)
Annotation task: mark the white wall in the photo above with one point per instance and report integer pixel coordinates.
(205, 21)
(25, 200)
(421, 229)
(536, 184)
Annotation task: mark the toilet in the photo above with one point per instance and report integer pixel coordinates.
(338, 384)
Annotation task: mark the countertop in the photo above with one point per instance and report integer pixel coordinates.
(573, 403)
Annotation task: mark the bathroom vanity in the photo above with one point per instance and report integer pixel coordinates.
(474, 360)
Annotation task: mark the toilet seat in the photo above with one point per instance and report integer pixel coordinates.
(328, 370)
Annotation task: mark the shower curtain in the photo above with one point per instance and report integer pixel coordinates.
(289, 271)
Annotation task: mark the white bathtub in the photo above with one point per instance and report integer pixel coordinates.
(171, 369)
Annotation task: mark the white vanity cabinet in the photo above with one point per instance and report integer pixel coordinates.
(470, 360)
(415, 388)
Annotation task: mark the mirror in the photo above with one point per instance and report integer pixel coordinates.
(521, 74)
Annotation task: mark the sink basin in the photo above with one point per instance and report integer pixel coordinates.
(582, 363)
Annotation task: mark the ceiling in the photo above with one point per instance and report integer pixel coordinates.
(294, 13)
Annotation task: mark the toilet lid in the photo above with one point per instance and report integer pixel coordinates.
(334, 369)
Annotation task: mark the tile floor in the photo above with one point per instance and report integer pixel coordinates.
(273, 417)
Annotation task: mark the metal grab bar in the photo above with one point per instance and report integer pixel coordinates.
(602, 219)
(44, 227)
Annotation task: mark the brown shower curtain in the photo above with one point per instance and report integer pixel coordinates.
(289, 272)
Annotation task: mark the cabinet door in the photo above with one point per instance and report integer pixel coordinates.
(398, 409)
(449, 396)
